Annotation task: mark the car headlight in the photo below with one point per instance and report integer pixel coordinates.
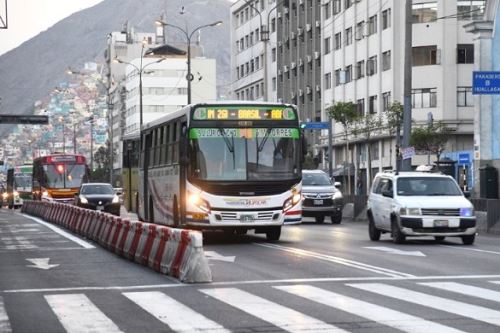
(116, 199)
(45, 194)
(410, 211)
(198, 201)
(5, 195)
(16, 194)
(292, 201)
(337, 195)
(83, 200)
(467, 212)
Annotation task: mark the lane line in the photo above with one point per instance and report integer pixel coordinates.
(61, 232)
(338, 260)
(4, 318)
(464, 289)
(77, 313)
(469, 249)
(38, 249)
(176, 284)
(177, 316)
(379, 314)
(276, 314)
(442, 304)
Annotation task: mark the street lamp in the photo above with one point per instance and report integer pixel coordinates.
(188, 35)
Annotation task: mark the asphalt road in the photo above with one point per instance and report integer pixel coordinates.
(317, 278)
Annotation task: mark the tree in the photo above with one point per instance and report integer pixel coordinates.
(346, 114)
(431, 138)
(394, 117)
(101, 159)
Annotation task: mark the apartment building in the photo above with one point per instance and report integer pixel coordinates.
(362, 48)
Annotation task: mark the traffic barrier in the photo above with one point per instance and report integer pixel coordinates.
(170, 251)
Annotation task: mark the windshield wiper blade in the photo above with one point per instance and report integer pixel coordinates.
(264, 140)
(230, 146)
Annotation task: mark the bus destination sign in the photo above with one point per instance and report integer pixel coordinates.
(244, 113)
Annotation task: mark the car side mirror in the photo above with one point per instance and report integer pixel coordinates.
(77, 194)
(337, 184)
(388, 193)
(466, 194)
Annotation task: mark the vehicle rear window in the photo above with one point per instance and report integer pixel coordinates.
(427, 186)
(97, 189)
(315, 179)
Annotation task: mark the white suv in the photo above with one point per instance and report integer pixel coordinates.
(419, 204)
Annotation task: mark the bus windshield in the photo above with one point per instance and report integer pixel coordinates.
(23, 181)
(239, 154)
(64, 175)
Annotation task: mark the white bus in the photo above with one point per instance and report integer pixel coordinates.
(231, 166)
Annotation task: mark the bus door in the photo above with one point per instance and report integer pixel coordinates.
(146, 150)
(183, 166)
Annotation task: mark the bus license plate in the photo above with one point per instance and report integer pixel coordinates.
(247, 218)
(441, 223)
(318, 202)
(100, 207)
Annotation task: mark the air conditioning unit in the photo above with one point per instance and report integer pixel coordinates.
(280, 43)
(285, 68)
(301, 62)
(318, 88)
(301, 2)
(318, 24)
(301, 92)
(309, 58)
(308, 27)
(292, 35)
(293, 65)
(285, 10)
(279, 15)
(308, 90)
(316, 55)
(300, 31)
(280, 72)
(293, 95)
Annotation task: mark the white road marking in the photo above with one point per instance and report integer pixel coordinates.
(177, 316)
(41, 263)
(276, 314)
(61, 232)
(396, 251)
(338, 260)
(442, 304)
(212, 255)
(464, 289)
(380, 314)
(176, 284)
(4, 319)
(469, 249)
(38, 249)
(78, 314)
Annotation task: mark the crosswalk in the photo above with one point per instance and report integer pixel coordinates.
(388, 305)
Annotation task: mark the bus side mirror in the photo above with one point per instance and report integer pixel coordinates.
(184, 161)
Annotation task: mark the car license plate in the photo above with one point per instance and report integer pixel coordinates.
(247, 218)
(100, 207)
(440, 223)
(318, 202)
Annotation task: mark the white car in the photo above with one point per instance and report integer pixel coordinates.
(419, 204)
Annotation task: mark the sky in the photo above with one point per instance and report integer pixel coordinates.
(27, 18)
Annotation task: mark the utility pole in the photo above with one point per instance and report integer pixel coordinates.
(406, 164)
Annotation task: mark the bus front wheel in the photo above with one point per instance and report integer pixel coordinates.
(273, 233)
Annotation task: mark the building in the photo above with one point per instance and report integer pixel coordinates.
(486, 34)
(362, 56)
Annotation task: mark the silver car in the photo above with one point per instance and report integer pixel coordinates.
(321, 197)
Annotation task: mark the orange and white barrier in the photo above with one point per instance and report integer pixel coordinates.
(170, 251)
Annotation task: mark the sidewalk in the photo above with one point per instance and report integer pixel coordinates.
(128, 215)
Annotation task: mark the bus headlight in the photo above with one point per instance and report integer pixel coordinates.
(196, 200)
(84, 200)
(5, 195)
(16, 194)
(45, 194)
(292, 201)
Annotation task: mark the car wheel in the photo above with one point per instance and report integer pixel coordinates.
(439, 238)
(336, 218)
(468, 240)
(273, 233)
(373, 232)
(320, 219)
(397, 236)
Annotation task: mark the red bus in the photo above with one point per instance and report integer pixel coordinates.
(58, 177)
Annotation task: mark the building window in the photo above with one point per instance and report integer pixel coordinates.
(359, 30)
(360, 69)
(386, 19)
(348, 74)
(374, 151)
(273, 54)
(424, 98)
(464, 96)
(327, 45)
(337, 77)
(360, 106)
(371, 66)
(470, 9)
(386, 100)
(348, 36)
(386, 60)
(347, 3)
(372, 25)
(273, 24)
(328, 81)
(425, 55)
(465, 53)
(338, 41)
(424, 12)
(337, 7)
(372, 106)
(328, 10)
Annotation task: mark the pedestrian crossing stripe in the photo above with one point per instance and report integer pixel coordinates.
(379, 314)
(439, 303)
(77, 313)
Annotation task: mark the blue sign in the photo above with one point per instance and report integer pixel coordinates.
(463, 158)
(485, 83)
(315, 125)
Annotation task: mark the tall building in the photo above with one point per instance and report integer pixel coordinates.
(362, 51)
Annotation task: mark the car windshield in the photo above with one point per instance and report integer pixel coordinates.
(97, 189)
(427, 186)
(239, 154)
(315, 179)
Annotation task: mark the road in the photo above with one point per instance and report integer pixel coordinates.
(317, 278)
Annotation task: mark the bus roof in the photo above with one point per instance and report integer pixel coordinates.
(54, 158)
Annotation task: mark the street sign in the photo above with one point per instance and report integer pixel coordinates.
(463, 158)
(315, 125)
(485, 83)
(407, 152)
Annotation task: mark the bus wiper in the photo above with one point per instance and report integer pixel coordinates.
(264, 140)
(230, 145)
